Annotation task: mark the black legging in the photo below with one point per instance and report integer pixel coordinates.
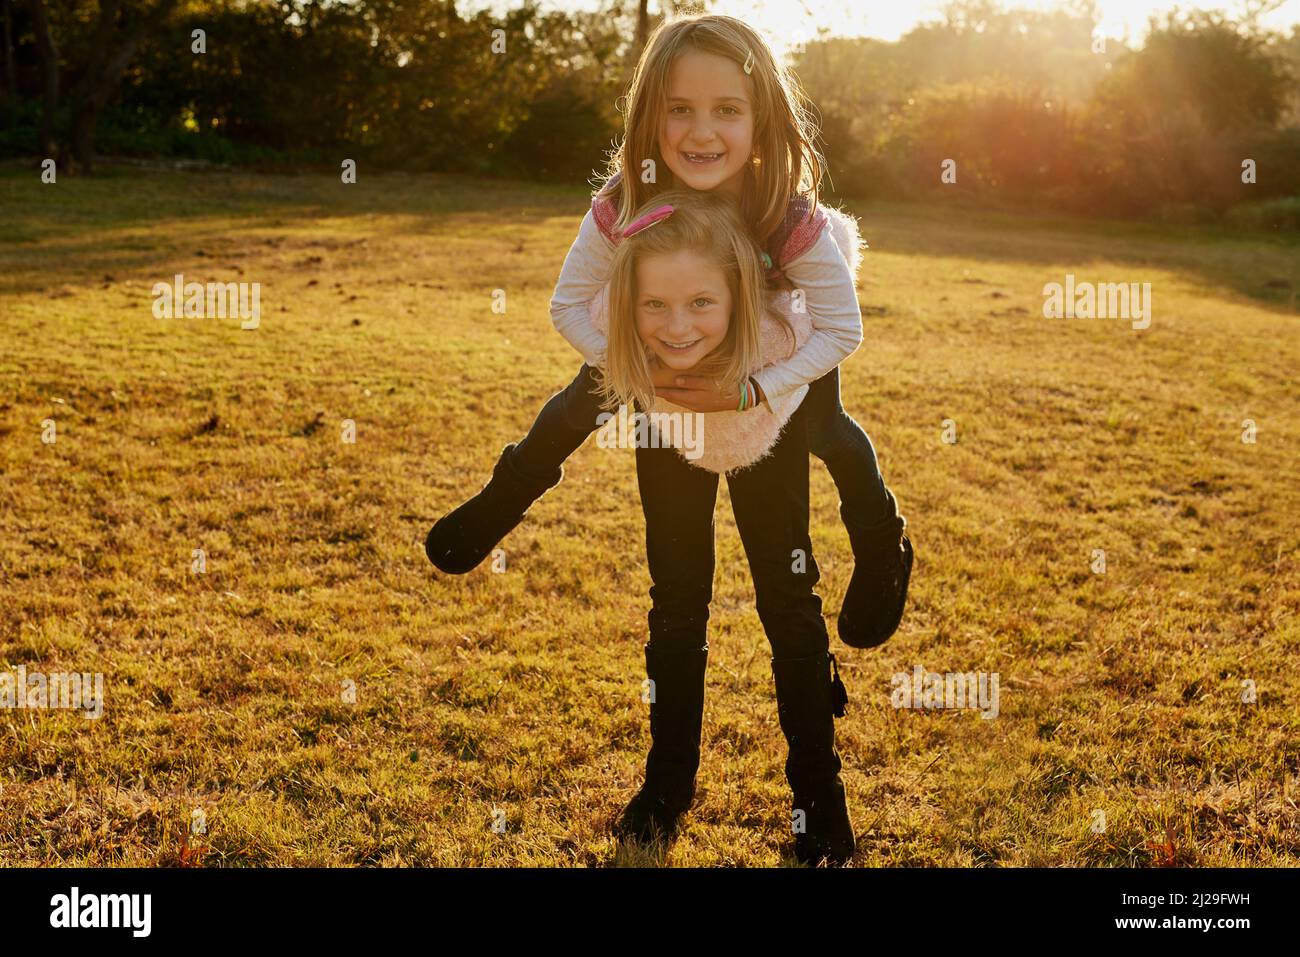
(570, 415)
(770, 502)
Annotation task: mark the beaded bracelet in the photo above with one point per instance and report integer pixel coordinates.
(748, 395)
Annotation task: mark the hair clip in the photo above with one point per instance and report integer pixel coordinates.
(648, 220)
(749, 62)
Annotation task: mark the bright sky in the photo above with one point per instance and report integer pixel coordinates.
(790, 22)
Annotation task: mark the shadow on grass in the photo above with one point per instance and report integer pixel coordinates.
(78, 231)
(1262, 267)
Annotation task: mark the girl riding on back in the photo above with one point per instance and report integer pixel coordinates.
(710, 109)
(688, 295)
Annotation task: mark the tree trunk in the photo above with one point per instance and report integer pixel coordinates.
(49, 55)
(100, 79)
(642, 28)
(11, 79)
(80, 155)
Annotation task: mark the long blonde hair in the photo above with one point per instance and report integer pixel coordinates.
(787, 161)
(710, 225)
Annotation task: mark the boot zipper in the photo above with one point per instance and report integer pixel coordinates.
(839, 694)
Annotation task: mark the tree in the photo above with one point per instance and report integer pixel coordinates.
(642, 28)
(118, 34)
(1178, 114)
(11, 78)
(98, 59)
(49, 56)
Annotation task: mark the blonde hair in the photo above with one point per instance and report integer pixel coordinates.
(710, 225)
(786, 161)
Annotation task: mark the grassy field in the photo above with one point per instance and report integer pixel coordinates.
(517, 696)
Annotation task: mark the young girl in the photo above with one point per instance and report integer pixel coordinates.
(710, 109)
(686, 294)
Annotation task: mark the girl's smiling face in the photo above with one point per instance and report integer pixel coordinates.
(683, 307)
(707, 138)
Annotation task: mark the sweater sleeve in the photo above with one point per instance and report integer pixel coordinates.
(585, 271)
(827, 282)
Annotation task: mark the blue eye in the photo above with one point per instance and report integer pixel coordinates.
(707, 302)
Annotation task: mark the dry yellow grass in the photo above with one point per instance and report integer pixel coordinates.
(520, 691)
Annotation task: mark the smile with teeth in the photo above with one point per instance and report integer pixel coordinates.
(702, 158)
(679, 347)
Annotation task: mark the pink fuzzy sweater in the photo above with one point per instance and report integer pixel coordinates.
(730, 441)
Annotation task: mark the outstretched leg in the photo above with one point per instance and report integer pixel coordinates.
(460, 540)
(882, 554)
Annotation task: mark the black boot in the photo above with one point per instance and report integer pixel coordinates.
(464, 537)
(808, 701)
(877, 592)
(676, 716)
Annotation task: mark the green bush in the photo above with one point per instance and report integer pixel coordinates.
(1278, 214)
(1187, 214)
(19, 123)
(116, 138)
